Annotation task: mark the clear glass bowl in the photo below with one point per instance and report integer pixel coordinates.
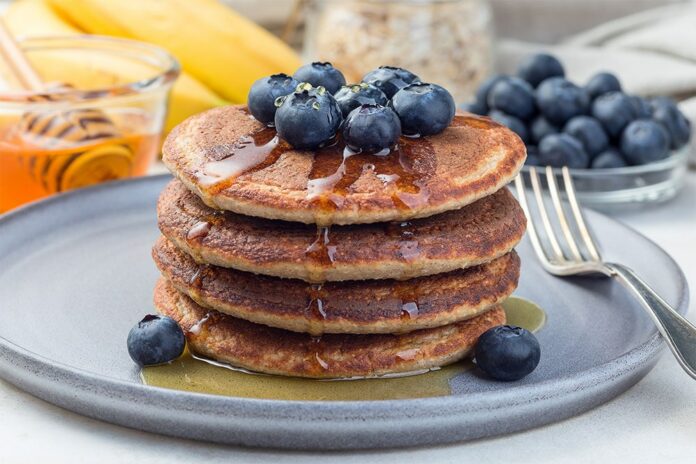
(99, 118)
(630, 187)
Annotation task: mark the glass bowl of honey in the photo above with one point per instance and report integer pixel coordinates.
(99, 117)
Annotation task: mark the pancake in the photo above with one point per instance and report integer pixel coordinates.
(377, 306)
(235, 163)
(475, 234)
(274, 351)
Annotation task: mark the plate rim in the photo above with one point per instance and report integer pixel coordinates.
(442, 408)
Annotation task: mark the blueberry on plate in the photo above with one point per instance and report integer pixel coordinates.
(352, 96)
(641, 106)
(644, 141)
(559, 100)
(537, 68)
(609, 158)
(321, 74)
(602, 83)
(589, 132)
(474, 107)
(263, 94)
(424, 109)
(485, 88)
(540, 128)
(614, 110)
(532, 156)
(516, 125)
(507, 353)
(512, 96)
(308, 118)
(560, 150)
(372, 128)
(665, 112)
(389, 79)
(155, 340)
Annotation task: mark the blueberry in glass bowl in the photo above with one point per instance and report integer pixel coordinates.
(622, 150)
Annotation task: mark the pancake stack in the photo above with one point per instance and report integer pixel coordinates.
(335, 264)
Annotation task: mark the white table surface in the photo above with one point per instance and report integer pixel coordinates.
(655, 420)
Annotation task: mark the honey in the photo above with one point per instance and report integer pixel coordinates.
(41, 154)
(194, 374)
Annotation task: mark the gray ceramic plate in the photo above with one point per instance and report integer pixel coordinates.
(76, 274)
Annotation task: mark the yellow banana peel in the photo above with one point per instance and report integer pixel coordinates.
(221, 48)
(28, 18)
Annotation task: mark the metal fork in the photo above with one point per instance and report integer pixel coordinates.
(581, 257)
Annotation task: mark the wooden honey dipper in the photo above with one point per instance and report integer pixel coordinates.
(85, 145)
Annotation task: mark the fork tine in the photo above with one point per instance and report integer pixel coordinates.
(560, 213)
(531, 230)
(550, 233)
(577, 214)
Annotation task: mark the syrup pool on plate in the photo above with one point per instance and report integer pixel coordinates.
(189, 373)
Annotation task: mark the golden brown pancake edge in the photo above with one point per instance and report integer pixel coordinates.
(474, 157)
(360, 307)
(475, 234)
(274, 351)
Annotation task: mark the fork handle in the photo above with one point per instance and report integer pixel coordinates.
(679, 333)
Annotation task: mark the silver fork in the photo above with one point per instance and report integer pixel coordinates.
(576, 259)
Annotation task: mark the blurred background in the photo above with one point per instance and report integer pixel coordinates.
(223, 47)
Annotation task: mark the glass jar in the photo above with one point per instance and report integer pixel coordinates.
(447, 42)
(100, 117)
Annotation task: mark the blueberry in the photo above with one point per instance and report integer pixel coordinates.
(602, 83)
(424, 109)
(609, 158)
(614, 110)
(512, 96)
(474, 107)
(485, 88)
(308, 118)
(352, 96)
(532, 156)
(514, 124)
(644, 141)
(263, 94)
(390, 80)
(560, 150)
(559, 100)
(665, 112)
(507, 353)
(537, 68)
(321, 74)
(641, 107)
(540, 128)
(589, 132)
(372, 128)
(155, 340)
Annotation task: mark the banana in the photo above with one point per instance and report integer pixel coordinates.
(221, 48)
(34, 18)
(37, 18)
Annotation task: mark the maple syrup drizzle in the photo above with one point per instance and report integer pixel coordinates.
(320, 250)
(196, 280)
(315, 358)
(409, 248)
(199, 231)
(249, 154)
(316, 308)
(196, 328)
(335, 168)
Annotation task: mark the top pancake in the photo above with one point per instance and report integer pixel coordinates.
(235, 163)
